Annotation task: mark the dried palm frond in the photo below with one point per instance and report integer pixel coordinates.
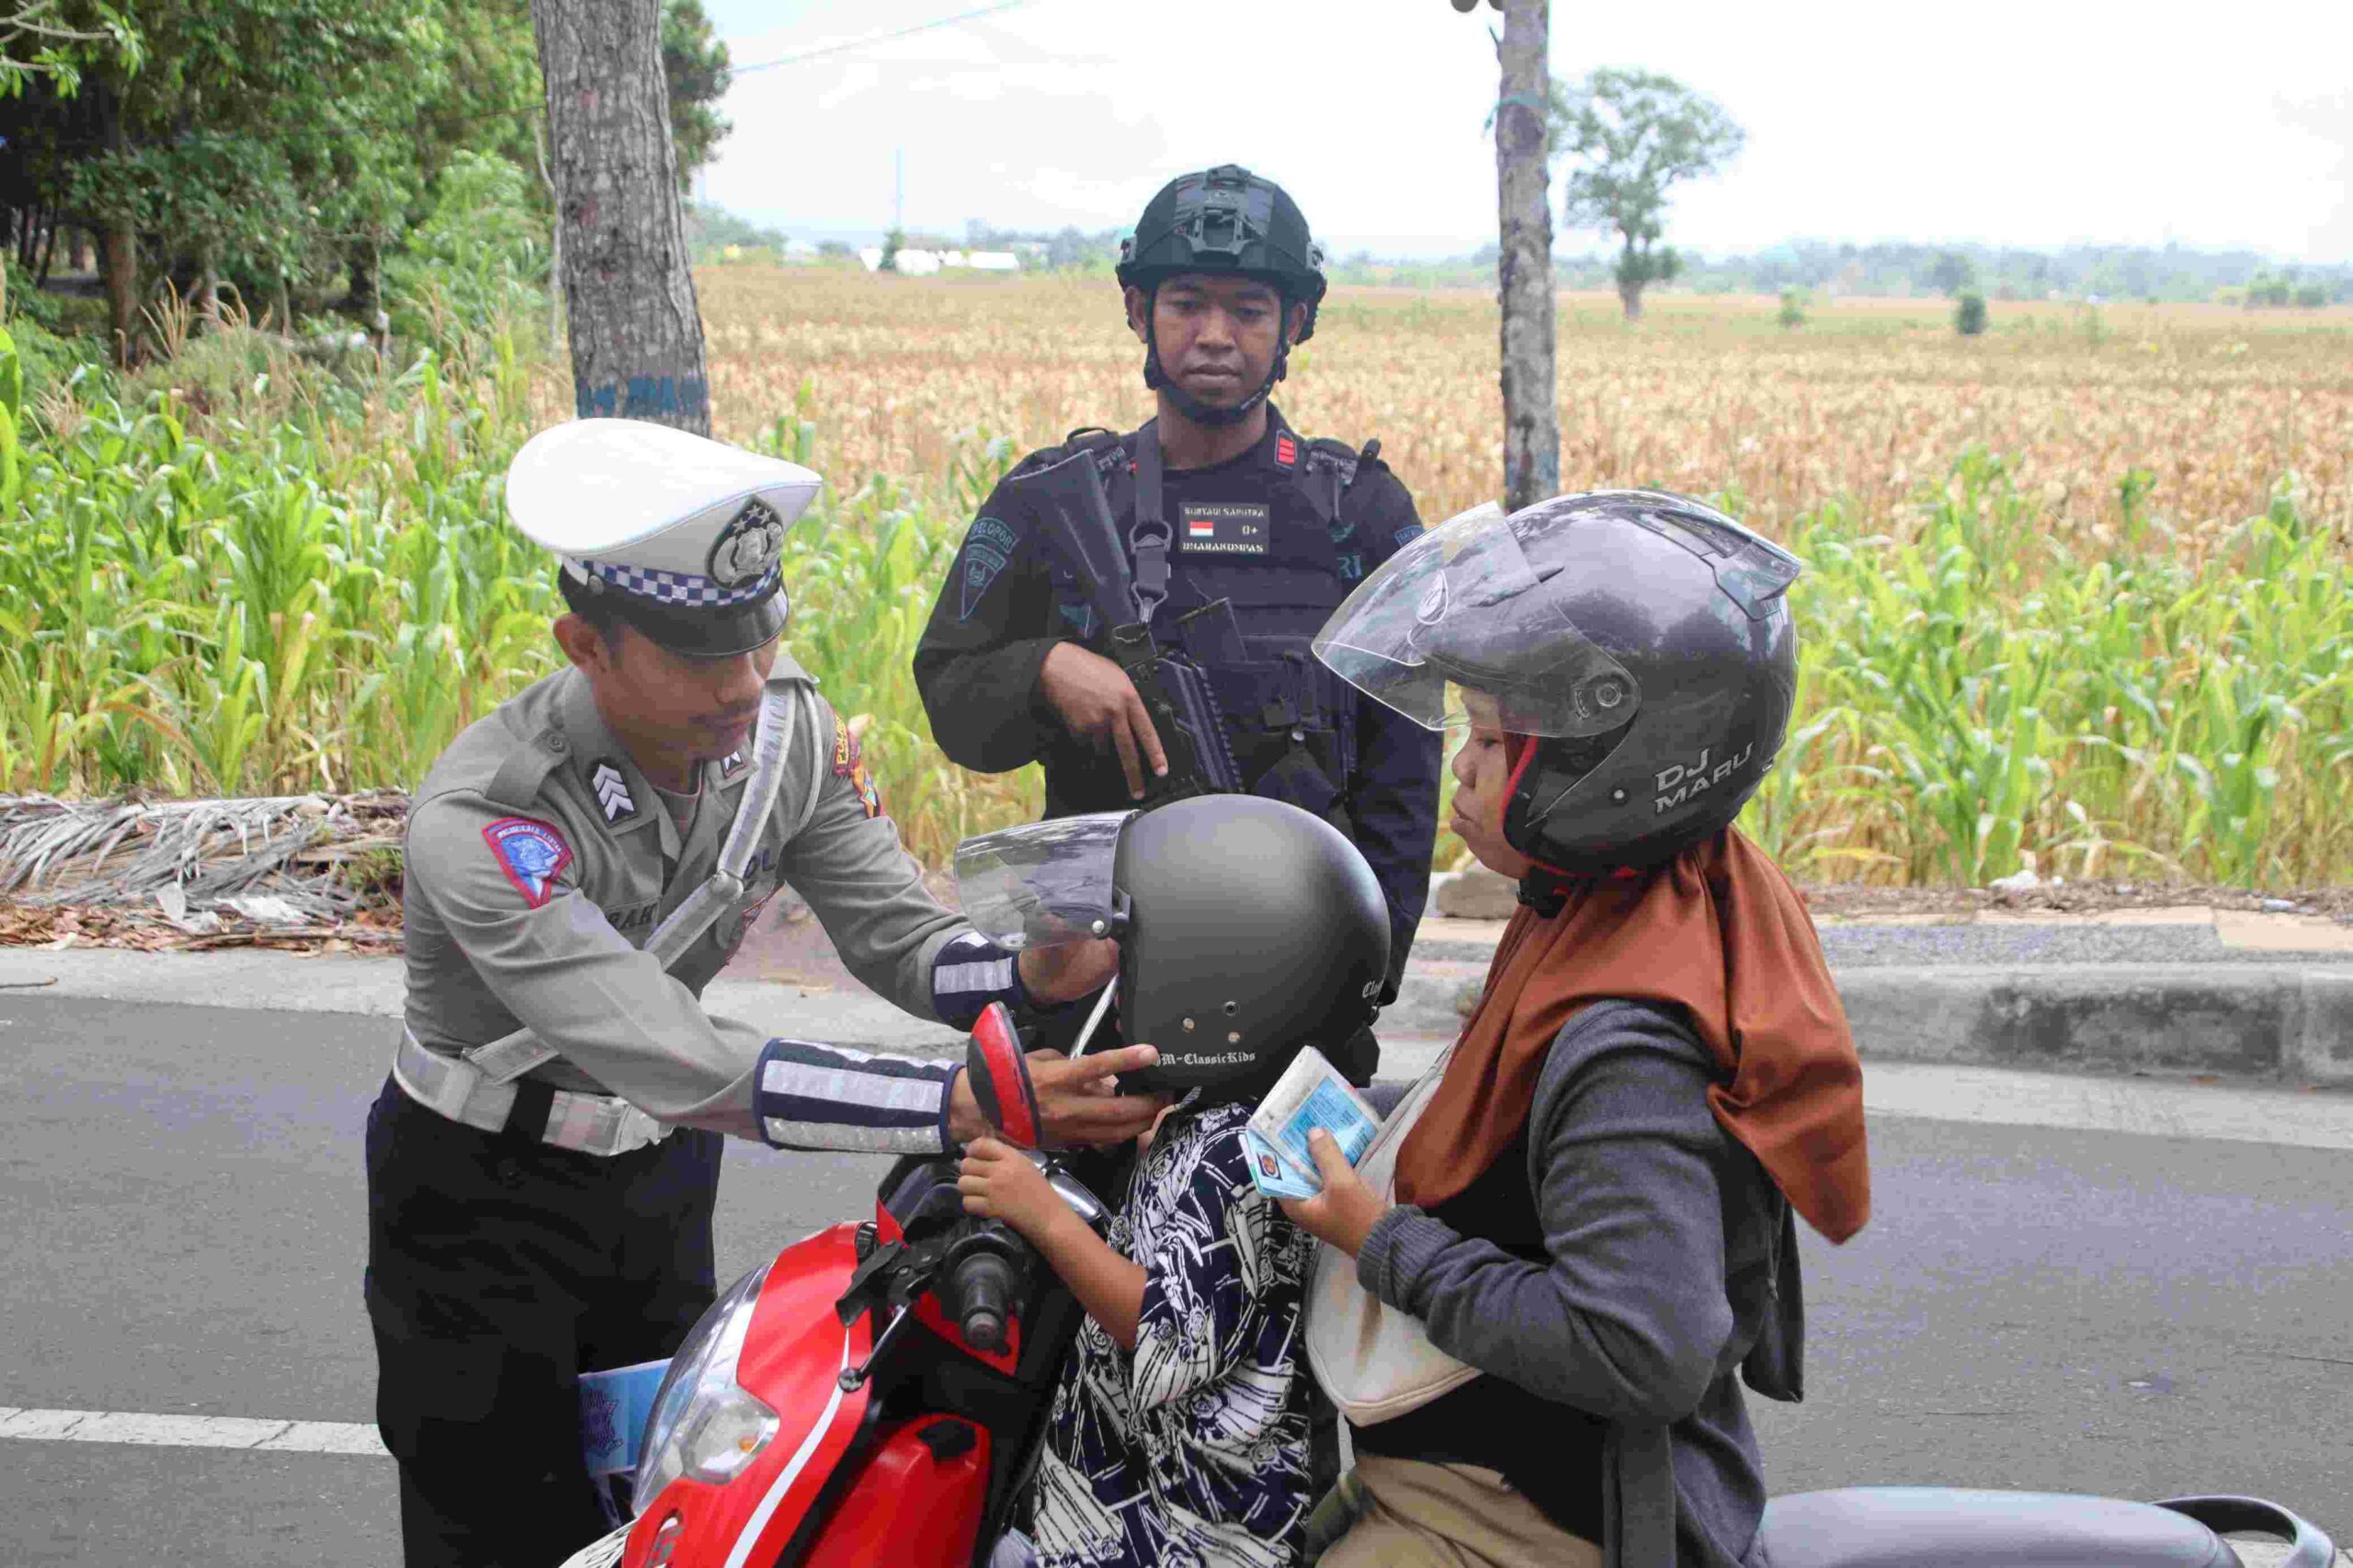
(284, 858)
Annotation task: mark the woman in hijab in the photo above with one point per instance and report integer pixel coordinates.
(1593, 1210)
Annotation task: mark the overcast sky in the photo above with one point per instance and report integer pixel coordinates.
(2008, 122)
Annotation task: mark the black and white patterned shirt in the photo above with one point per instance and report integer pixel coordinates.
(1192, 1450)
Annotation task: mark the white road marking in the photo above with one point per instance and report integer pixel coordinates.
(191, 1431)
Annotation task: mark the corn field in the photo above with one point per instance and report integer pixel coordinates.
(2079, 589)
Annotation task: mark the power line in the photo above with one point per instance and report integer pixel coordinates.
(881, 38)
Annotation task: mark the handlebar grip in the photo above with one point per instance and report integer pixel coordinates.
(984, 1284)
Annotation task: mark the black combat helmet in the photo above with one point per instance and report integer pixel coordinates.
(1224, 219)
(1641, 641)
(1248, 927)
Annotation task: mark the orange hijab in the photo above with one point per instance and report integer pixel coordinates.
(1717, 931)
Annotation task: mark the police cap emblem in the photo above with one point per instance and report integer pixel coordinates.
(747, 548)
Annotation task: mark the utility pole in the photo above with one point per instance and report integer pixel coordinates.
(1524, 267)
(636, 348)
(899, 190)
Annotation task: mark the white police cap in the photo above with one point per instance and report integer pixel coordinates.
(677, 533)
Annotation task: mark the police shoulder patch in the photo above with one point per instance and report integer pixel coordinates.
(532, 855)
(988, 546)
(849, 762)
(1406, 535)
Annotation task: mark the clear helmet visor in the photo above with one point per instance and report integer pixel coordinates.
(1457, 627)
(1042, 883)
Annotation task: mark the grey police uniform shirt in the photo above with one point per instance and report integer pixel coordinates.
(540, 860)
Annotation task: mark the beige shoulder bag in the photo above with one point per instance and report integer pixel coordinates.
(1374, 1361)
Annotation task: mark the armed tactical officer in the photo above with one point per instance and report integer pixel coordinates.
(543, 1160)
(1135, 611)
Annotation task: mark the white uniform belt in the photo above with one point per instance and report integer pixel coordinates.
(592, 1124)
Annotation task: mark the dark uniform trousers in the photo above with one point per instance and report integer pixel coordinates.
(521, 1266)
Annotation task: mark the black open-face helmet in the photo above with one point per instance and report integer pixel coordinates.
(1637, 644)
(1224, 220)
(1247, 929)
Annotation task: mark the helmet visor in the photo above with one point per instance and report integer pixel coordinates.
(1042, 883)
(1459, 614)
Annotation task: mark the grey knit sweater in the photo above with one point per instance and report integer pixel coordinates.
(1674, 1270)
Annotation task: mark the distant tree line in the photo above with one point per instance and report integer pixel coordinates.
(2173, 273)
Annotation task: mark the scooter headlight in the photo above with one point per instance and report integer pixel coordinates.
(705, 1425)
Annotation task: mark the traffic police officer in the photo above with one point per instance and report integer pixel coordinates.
(1250, 535)
(543, 1159)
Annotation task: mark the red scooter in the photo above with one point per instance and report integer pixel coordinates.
(876, 1395)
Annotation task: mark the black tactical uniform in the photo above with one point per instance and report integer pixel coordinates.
(1265, 548)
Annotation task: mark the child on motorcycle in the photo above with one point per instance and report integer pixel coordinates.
(1179, 1431)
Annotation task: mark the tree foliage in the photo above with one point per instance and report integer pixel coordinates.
(1637, 134)
(695, 67)
(285, 149)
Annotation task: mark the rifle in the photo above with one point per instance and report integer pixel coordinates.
(1069, 502)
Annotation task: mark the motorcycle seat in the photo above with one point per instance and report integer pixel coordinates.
(1934, 1527)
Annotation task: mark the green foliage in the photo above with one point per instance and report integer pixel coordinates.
(45, 40)
(893, 243)
(1794, 304)
(1638, 134)
(1969, 315)
(1998, 693)
(477, 259)
(695, 67)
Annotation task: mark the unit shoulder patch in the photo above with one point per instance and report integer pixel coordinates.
(849, 762)
(988, 546)
(532, 855)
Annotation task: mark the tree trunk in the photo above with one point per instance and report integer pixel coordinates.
(1630, 296)
(636, 348)
(1524, 269)
(119, 251)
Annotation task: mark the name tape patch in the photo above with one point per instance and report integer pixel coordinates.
(532, 855)
(1224, 528)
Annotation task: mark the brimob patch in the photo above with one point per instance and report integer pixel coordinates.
(987, 547)
(532, 855)
(747, 548)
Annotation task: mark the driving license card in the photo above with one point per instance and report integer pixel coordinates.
(1271, 1174)
(1312, 1094)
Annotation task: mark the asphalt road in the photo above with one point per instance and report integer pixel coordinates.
(2059, 1308)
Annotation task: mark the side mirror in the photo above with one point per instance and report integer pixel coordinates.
(999, 1070)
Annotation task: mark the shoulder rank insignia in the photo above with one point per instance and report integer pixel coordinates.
(532, 855)
(732, 764)
(1285, 450)
(849, 762)
(612, 792)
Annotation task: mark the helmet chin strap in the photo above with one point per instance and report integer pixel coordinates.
(1215, 415)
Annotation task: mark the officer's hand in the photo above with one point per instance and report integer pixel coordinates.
(1076, 1101)
(1068, 970)
(1097, 702)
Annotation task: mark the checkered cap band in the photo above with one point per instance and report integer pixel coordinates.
(681, 587)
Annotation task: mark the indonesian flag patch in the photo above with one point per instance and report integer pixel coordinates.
(532, 855)
(849, 762)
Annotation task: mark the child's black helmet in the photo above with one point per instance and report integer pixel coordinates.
(1248, 927)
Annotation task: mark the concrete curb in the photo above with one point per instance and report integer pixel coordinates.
(2286, 1022)
(2290, 1022)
